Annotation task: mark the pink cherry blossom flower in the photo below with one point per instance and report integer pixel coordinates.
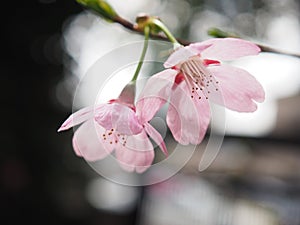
(195, 76)
(115, 126)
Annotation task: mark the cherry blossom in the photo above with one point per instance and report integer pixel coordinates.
(194, 75)
(115, 126)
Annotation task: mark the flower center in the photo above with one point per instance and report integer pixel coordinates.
(113, 137)
(199, 80)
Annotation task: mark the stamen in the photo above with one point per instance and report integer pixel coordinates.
(196, 74)
(109, 136)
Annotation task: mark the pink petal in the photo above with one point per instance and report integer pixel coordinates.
(88, 143)
(77, 118)
(182, 54)
(187, 117)
(103, 116)
(119, 117)
(155, 135)
(137, 155)
(226, 48)
(125, 120)
(155, 94)
(239, 88)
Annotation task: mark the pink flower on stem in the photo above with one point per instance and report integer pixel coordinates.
(195, 75)
(117, 125)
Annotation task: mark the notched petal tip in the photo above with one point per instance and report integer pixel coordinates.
(239, 89)
(261, 98)
(137, 155)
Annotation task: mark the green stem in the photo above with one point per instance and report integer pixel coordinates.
(169, 35)
(138, 68)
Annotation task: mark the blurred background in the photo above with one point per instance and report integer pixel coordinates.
(48, 47)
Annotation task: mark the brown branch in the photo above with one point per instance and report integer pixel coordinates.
(132, 27)
(277, 51)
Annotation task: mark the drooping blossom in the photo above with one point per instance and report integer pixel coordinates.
(194, 75)
(115, 126)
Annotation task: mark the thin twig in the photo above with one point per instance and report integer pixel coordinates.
(277, 51)
(130, 26)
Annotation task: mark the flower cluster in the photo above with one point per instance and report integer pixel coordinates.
(194, 76)
(117, 126)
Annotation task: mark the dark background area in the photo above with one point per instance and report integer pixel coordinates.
(37, 185)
